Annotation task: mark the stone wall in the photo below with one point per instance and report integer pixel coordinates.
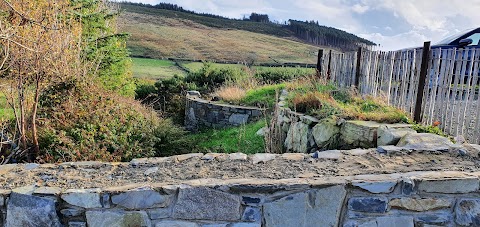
(406, 200)
(200, 113)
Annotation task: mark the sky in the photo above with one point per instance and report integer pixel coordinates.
(394, 24)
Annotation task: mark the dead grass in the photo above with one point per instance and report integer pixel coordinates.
(231, 94)
(159, 37)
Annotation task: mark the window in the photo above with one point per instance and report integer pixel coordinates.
(475, 38)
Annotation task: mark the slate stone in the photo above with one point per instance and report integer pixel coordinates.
(72, 212)
(159, 213)
(86, 198)
(467, 212)
(319, 207)
(247, 200)
(297, 138)
(262, 157)
(325, 133)
(331, 154)
(169, 223)
(395, 221)
(252, 214)
(376, 187)
(391, 136)
(309, 120)
(408, 186)
(150, 171)
(238, 119)
(425, 142)
(244, 225)
(420, 204)
(31, 166)
(77, 224)
(368, 204)
(117, 218)
(206, 204)
(26, 190)
(141, 198)
(438, 219)
(216, 225)
(453, 186)
(105, 200)
(293, 156)
(31, 211)
(237, 156)
(47, 191)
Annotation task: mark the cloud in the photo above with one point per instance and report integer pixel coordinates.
(360, 9)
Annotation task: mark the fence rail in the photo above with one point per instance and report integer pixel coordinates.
(450, 91)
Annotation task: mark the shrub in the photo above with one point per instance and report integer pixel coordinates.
(281, 74)
(84, 122)
(209, 76)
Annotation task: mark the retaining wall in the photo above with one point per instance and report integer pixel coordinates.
(200, 113)
(407, 200)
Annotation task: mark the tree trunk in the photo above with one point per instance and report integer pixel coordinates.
(36, 148)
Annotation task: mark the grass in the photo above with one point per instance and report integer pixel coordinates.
(154, 69)
(230, 140)
(262, 96)
(195, 66)
(5, 111)
(157, 35)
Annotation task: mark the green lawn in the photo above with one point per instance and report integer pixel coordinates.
(154, 69)
(238, 139)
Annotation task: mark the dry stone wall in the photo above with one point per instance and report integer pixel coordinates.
(200, 113)
(408, 200)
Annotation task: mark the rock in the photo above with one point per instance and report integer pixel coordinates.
(376, 187)
(86, 198)
(2, 201)
(150, 171)
(77, 224)
(450, 186)
(244, 225)
(212, 156)
(425, 142)
(262, 157)
(118, 218)
(176, 224)
(363, 134)
(408, 186)
(72, 212)
(184, 157)
(308, 120)
(194, 93)
(261, 132)
(238, 119)
(252, 214)
(31, 166)
(237, 156)
(31, 211)
(356, 152)
(459, 139)
(319, 207)
(467, 212)
(392, 150)
(396, 221)
(326, 133)
(297, 138)
(26, 190)
(252, 201)
(159, 213)
(216, 225)
(293, 156)
(391, 136)
(437, 219)
(141, 198)
(368, 204)
(105, 200)
(332, 154)
(206, 204)
(420, 205)
(48, 191)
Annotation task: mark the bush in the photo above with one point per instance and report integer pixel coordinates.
(281, 74)
(118, 128)
(210, 77)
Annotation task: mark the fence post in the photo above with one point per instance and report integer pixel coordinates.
(357, 72)
(319, 62)
(329, 64)
(417, 117)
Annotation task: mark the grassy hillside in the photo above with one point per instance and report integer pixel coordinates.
(156, 36)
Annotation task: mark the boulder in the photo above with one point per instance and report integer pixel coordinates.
(326, 133)
(425, 142)
(391, 136)
(297, 138)
(31, 211)
(363, 134)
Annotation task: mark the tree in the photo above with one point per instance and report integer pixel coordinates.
(41, 45)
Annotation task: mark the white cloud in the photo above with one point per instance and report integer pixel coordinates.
(360, 9)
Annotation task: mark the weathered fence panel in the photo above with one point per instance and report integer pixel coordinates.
(450, 93)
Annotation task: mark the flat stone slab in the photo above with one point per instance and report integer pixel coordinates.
(192, 204)
(141, 198)
(118, 218)
(331, 154)
(86, 198)
(376, 187)
(420, 204)
(31, 211)
(452, 186)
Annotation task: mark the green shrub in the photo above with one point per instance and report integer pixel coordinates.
(280, 74)
(263, 96)
(84, 122)
(209, 76)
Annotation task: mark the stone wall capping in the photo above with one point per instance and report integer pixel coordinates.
(125, 188)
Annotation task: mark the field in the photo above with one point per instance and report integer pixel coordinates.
(156, 36)
(154, 69)
(5, 111)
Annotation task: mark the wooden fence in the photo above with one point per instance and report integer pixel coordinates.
(438, 86)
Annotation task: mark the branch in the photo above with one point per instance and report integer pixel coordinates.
(25, 19)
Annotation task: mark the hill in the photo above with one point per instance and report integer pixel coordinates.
(173, 33)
